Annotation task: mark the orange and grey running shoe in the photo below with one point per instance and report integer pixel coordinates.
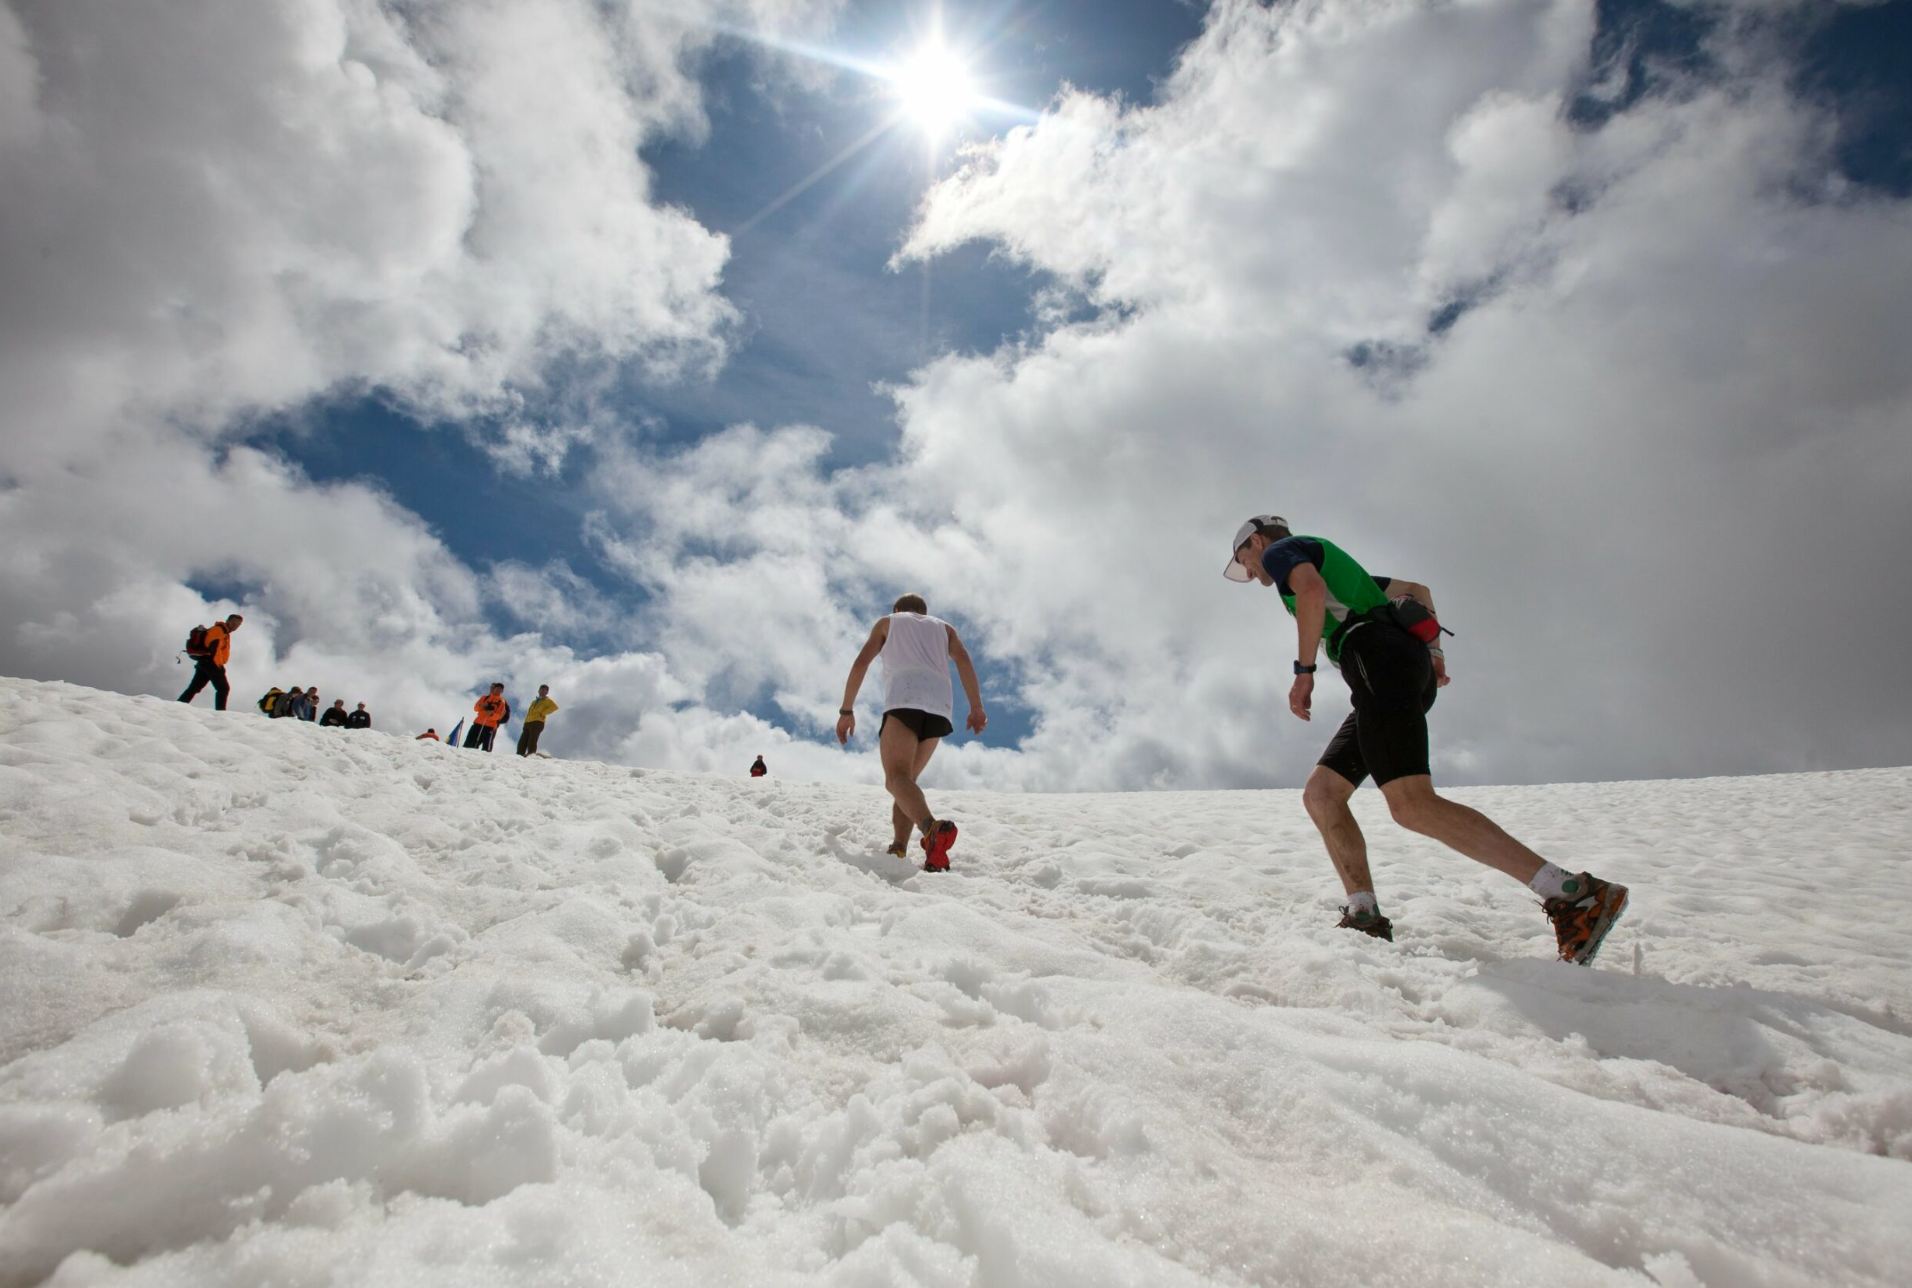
(936, 844)
(1368, 923)
(1583, 916)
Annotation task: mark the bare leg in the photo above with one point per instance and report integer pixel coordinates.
(1418, 809)
(900, 825)
(898, 747)
(1326, 798)
(924, 750)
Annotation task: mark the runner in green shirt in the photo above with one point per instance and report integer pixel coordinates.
(1381, 633)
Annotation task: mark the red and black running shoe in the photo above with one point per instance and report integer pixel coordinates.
(936, 844)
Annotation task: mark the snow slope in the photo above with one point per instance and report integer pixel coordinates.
(300, 1006)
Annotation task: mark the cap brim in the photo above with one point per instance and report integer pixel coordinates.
(1234, 571)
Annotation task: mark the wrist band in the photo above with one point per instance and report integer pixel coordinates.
(845, 711)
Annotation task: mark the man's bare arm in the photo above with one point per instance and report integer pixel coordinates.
(846, 722)
(966, 671)
(1311, 606)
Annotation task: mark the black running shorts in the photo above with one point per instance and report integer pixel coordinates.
(921, 723)
(1391, 678)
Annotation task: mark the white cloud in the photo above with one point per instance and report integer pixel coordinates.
(226, 205)
(1647, 474)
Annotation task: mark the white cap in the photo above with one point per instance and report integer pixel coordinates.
(1234, 571)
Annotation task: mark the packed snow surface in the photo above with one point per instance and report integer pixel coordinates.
(297, 1006)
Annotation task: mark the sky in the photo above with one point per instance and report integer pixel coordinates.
(650, 350)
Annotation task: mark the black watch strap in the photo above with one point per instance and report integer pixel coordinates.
(845, 711)
(1304, 670)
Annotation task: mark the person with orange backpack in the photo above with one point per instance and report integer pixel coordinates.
(209, 647)
(489, 711)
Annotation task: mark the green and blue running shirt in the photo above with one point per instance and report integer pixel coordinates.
(1352, 591)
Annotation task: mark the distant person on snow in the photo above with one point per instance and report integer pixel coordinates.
(270, 699)
(534, 718)
(359, 719)
(1383, 636)
(307, 707)
(286, 705)
(334, 717)
(917, 705)
(489, 711)
(210, 647)
(758, 769)
(430, 735)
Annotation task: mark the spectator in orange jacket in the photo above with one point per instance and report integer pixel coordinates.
(430, 735)
(489, 712)
(210, 667)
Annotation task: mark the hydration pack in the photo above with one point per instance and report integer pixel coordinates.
(1414, 618)
(196, 645)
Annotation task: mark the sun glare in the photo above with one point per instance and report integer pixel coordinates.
(935, 89)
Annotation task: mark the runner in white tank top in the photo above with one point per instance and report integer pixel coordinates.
(916, 666)
(918, 705)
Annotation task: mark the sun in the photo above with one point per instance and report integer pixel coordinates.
(935, 89)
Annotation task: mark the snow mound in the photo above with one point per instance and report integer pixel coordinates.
(302, 1006)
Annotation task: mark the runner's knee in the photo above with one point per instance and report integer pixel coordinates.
(1325, 792)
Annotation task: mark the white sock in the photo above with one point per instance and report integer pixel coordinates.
(1554, 883)
(1363, 902)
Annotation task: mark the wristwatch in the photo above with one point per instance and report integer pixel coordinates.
(1304, 670)
(845, 711)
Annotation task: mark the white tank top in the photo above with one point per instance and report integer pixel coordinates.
(916, 665)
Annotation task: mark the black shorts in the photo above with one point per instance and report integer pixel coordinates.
(921, 723)
(1391, 678)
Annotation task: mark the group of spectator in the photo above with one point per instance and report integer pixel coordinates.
(303, 704)
(211, 646)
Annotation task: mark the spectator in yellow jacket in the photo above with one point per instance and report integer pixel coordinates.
(534, 718)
